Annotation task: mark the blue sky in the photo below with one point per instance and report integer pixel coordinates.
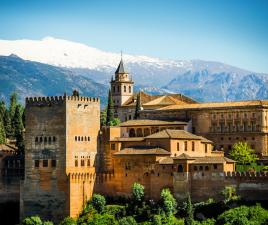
(230, 31)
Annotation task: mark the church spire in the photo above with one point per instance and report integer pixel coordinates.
(121, 68)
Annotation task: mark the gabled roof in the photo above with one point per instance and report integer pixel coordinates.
(125, 139)
(164, 100)
(130, 123)
(211, 159)
(121, 68)
(142, 150)
(176, 134)
(184, 157)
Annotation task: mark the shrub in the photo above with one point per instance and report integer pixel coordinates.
(156, 220)
(229, 194)
(102, 219)
(137, 192)
(98, 202)
(118, 211)
(129, 220)
(68, 221)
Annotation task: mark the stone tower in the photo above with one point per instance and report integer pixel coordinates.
(121, 87)
(60, 148)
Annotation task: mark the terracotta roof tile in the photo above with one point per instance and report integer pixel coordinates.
(142, 150)
(211, 159)
(150, 123)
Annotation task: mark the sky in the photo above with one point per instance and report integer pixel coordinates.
(230, 31)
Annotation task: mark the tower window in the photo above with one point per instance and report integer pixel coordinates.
(76, 163)
(54, 138)
(36, 163)
(178, 146)
(185, 146)
(114, 88)
(41, 139)
(45, 139)
(88, 162)
(36, 139)
(125, 89)
(118, 90)
(129, 89)
(193, 146)
(82, 162)
(49, 140)
(53, 163)
(45, 163)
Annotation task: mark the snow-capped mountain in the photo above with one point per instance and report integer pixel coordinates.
(202, 80)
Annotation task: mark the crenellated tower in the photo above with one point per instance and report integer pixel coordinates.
(121, 86)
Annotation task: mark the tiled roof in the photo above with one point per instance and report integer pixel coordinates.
(177, 134)
(7, 147)
(184, 156)
(166, 160)
(142, 150)
(150, 123)
(120, 68)
(211, 159)
(217, 105)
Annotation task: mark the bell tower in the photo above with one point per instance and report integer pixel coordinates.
(121, 86)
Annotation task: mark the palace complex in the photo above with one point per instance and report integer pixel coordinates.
(175, 143)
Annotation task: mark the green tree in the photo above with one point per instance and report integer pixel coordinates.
(2, 131)
(110, 109)
(12, 105)
(103, 117)
(18, 129)
(102, 219)
(138, 106)
(137, 193)
(243, 154)
(229, 194)
(169, 203)
(8, 124)
(47, 223)
(115, 122)
(2, 108)
(157, 220)
(98, 202)
(68, 221)
(189, 220)
(33, 220)
(129, 220)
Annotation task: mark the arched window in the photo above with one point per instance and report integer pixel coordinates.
(49, 139)
(88, 162)
(45, 139)
(41, 139)
(82, 162)
(180, 168)
(88, 138)
(129, 89)
(75, 138)
(125, 89)
(146, 132)
(78, 138)
(193, 146)
(132, 133)
(195, 168)
(82, 138)
(54, 138)
(200, 167)
(36, 139)
(85, 138)
(139, 132)
(206, 168)
(118, 89)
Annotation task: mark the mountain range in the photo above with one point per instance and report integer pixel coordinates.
(51, 66)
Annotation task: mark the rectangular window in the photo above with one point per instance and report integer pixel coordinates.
(53, 163)
(185, 146)
(76, 163)
(88, 162)
(45, 163)
(178, 146)
(113, 146)
(36, 163)
(215, 166)
(206, 148)
(129, 89)
(82, 162)
(193, 146)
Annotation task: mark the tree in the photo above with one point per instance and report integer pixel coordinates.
(129, 220)
(102, 219)
(229, 194)
(2, 108)
(110, 109)
(98, 202)
(8, 124)
(243, 154)
(2, 132)
(138, 106)
(168, 201)
(13, 104)
(68, 221)
(137, 192)
(103, 117)
(18, 129)
(189, 220)
(33, 220)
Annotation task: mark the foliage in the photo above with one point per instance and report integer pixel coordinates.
(138, 106)
(33, 220)
(118, 211)
(115, 122)
(103, 116)
(129, 220)
(171, 220)
(244, 215)
(98, 202)
(137, 192)
(169, 203)
(157, 220)
(12, 105)
(205, 222)
(18, 127)
(229, 194)
(2, 132)
(68, 221)
(7, 124)
(243, 154)
(102, 219)
(189, 220)
(2, 108)
(110, 110)
(47, 223)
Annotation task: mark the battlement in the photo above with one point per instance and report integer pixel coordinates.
(82, 176)
(54, 100)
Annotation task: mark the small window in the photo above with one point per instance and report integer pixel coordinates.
(45, 139)
(82, 162)
(129, 117)
(75, 138)
(193, 146)
(49, 139)
(88, 138)
(206, 168)
(36, 163)
(82, 138)
(118, 90)
(178, 146)
(85, 138)
(45, 163)
(201, 168)
(36, 139)
(54, 138)
(125, 89)
(41, 139)
(215, 166)
(185, 146)
(114, 88)
(53, 163)
(88, 162)
(195, 168)
(76, 163)
(78, 138)
(206, 148)
(129, 89)
(113, 146)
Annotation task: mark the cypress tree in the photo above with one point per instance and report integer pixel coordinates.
(2, 131)
(110, 110)
(18, 129)
(13, 105)
(8, 125)
(138, 106)
(189, 220)
(2, 108)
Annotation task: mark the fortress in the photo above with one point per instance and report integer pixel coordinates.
(176, 143)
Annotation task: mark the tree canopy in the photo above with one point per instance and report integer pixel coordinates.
(243, 154)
